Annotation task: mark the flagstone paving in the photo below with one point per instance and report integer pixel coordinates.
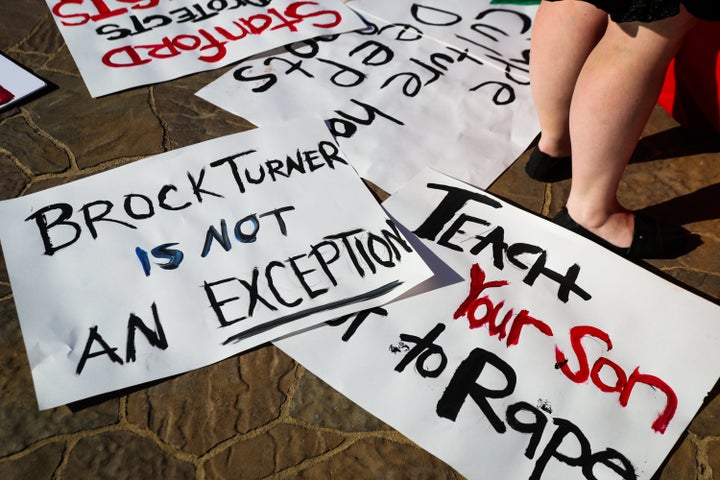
(260, 414)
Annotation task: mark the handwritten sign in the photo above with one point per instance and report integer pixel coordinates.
(16, 83)
(119, 44)
(186, 258)
(551, 358)
(438, 83)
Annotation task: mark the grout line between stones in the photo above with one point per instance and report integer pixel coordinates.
(547, 200)
(42, 133)
(163, 125)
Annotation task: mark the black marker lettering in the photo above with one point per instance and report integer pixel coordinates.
(106, 350)
(346, 125)
(451, 203)
(230, 160)
(464, 384)
(197, 186)
(155, 338)
(150, 210)
(65, 212)
(162, 198)
(90, 220)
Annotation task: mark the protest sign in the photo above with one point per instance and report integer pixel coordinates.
(188, 257)
(552, 358)
(424, 83)
(498, 35)
(16, 83)
(119, 44)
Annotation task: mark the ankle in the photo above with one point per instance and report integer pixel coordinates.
(589, 218)
(615, 226)
(559, 147)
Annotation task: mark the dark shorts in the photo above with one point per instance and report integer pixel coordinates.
(652, 10)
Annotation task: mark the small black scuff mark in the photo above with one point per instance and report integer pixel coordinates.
(559, 365)
(544, 405)
(400, 347)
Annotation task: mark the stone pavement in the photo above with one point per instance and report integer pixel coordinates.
(260, 414)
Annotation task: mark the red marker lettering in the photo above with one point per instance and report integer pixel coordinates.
(576, 336)
(477, 285)
(623, 385)
(102, 12)
(292, 11)
(663, 420)
(469, 309)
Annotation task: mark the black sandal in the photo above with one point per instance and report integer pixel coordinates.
(651, 238)
(546, 168)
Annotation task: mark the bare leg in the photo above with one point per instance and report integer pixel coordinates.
(614, 96)
(564, 34)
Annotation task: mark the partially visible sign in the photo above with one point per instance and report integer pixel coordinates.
(16, 83)
(552, 358)
(431, 83)
(120, 44)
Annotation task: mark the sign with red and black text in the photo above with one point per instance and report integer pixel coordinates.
(120, 44)
(544, 356)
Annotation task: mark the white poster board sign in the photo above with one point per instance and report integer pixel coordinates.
(119, 44)
(552, 358)
(424, 83)
(188, 257)
(16, 83)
